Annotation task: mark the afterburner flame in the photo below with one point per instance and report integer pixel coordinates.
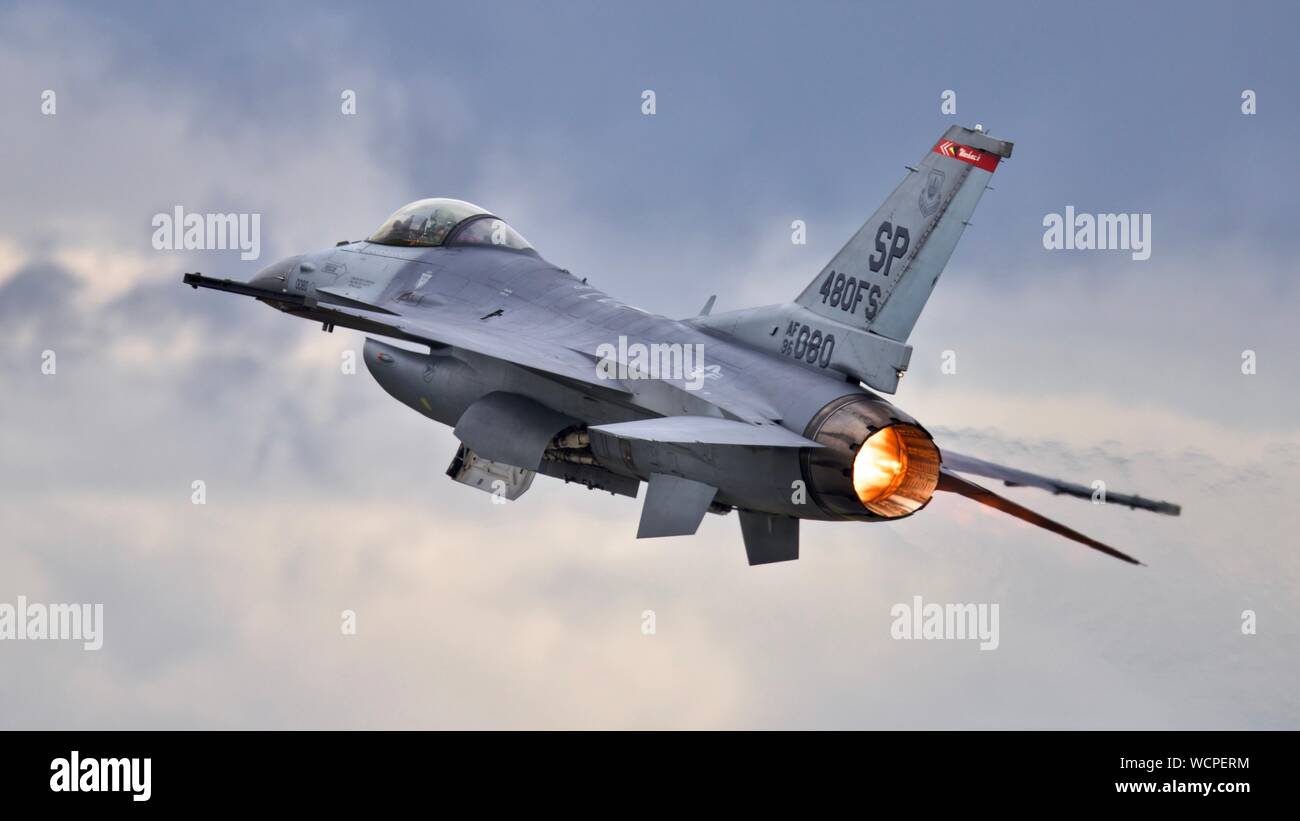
(880, 466)
(874, 462)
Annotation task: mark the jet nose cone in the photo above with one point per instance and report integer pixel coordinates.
(275, 277)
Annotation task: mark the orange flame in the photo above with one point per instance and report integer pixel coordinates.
(880, 466)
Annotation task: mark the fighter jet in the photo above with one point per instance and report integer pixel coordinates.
(773, 412)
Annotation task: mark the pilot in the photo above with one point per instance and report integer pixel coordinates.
(402, 230)
(443, 228)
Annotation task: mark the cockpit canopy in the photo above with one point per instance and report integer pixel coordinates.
(440, 221)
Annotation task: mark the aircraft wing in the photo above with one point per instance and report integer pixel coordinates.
(952, 483)
(466, 333)
(1012, 477)
(549, 358)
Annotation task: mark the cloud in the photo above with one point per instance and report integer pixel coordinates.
(323, 495)
(146, 142)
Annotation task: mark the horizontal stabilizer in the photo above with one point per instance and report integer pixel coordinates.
(1019, 478)
(952, 483)
(707, 430)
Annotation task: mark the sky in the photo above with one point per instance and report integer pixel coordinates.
(323, 495)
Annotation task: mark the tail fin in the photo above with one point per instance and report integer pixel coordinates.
(882, 278)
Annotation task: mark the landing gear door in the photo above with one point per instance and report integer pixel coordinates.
(505, 482)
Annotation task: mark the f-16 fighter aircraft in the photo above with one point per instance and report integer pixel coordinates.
(773, 412)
